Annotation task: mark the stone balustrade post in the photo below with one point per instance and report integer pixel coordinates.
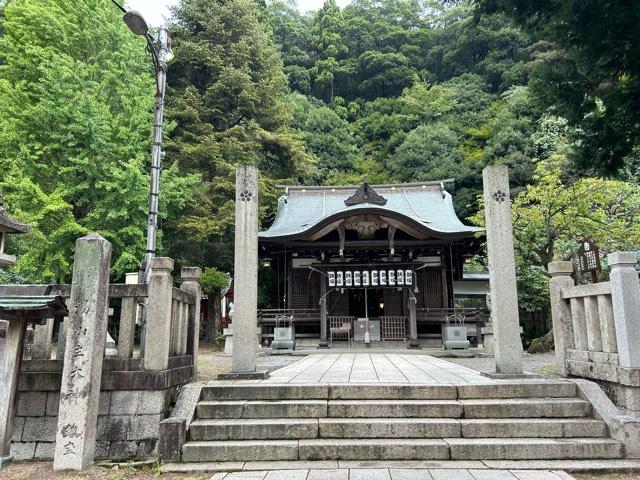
(83, 357)
(191, 283)
(158, 328)
(625, 296)
(41, 348)
(561, 312)
(128, 315)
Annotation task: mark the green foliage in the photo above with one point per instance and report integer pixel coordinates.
(76, 96)
(213, 280)
(586, 67)
(226, 98)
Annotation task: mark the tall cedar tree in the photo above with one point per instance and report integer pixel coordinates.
(226, 99)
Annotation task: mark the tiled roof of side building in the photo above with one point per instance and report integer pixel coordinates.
(427, 205)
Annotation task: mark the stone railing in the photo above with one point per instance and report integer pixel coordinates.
(136, 390)
(596, 327)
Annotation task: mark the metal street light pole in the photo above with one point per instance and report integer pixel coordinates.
(160, 51)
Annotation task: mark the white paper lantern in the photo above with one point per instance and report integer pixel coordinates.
(400, 279)
(348, 279)
(332, 278)
(339, 279)
(374, 278)
(356, 278)
(408, 277)
(392, 277)
(383, 277)
(365, 278)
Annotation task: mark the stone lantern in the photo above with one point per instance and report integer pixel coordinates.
(8, 226)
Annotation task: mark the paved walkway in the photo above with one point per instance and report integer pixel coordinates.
(395, 474)
(375, 368)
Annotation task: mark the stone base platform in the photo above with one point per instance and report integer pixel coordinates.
(509, 376)
(257, 375)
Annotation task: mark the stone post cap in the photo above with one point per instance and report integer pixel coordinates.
(560, 268)
(190, 273)
(496, 168)
(622, 258)
(162, 263)
(131, 278)
(94, 237)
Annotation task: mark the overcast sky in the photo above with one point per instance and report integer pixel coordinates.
(154, 11)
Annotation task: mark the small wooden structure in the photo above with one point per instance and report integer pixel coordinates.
(589, 259)
(8, 226)
(384, 254)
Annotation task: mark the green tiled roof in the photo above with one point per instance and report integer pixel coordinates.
(426, 205)
(31, 308)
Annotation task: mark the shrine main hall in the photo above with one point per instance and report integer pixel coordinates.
(383, 262)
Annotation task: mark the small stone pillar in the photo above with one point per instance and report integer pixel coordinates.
(159, 305)
(625, 296)
(82, 371)
(245, 318)
(9, 374)
(41, 348)
(191, 283)
(502, 270)
(128, 316)
(561, 312)
(413, 324)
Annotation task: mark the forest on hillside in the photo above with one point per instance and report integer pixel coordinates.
(379, 91)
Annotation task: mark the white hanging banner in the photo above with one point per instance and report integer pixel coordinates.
(392, 277)
(356, 278)
(339, 279)
(383, 277)
(332, 278)
(365, 278)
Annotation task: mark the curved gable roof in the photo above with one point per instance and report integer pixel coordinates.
(426, 206)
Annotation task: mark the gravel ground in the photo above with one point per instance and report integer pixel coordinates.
(541, 364)
(211, 362)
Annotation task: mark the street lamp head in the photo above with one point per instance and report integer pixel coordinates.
(136, 22)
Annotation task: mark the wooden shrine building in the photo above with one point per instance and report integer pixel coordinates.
(381, 259)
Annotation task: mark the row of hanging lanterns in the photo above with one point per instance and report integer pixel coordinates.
(373, 278)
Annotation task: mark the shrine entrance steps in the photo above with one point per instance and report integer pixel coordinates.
(528, 420)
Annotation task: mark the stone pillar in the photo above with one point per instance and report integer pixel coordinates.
(128, 315)
(323, 313)
(625, 295)
(9, 374)
(502, 270)
(561, 312)
(413, 324)
(83, 357)
(191, 283)
(158, 331)
(245, 319)
(41, 348)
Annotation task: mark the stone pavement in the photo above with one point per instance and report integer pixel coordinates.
(394, 474)
(375, 368)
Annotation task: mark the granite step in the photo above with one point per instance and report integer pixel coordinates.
(253, 429)
(388, 427)
(533, 428)
(526, 408)
(394, 409)
(534, 448)
(261, 409)
(402, 449)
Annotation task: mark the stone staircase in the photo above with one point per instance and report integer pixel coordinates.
(506, 421)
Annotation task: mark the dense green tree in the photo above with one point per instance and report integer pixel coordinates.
(76, 96)
(227, 101)
(587, 68)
